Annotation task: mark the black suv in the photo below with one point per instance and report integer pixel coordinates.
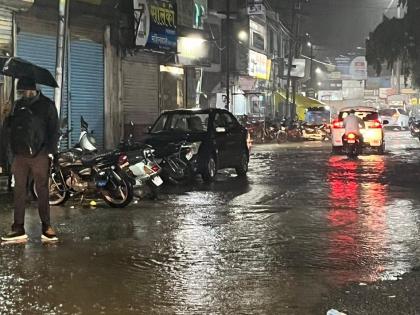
(218, 139)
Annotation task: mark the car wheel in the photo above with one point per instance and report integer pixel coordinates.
(210, 169)
(337, 150)
(242, 168)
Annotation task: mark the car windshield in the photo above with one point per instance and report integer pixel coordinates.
(387, 112)
(181, 122)
(365, 115)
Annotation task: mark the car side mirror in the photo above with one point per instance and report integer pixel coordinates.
(385, 122)
(220, 129)
(148, 129)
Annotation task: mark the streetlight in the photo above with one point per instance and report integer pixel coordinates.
(310, 45)
(318, 70)
(243, 36)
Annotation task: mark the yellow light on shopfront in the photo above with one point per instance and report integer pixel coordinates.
(172, 70)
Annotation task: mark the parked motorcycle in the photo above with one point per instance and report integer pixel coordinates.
(352, 144)
(80, 171)
(281, 135)
(414, 126)
(174, 160)
(294, 131)
(313, 132)
(142, 166)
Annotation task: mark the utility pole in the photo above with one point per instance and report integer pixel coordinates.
(290, 61)
(63, 13)
(227, 105)
(311, 66)
(398, 63)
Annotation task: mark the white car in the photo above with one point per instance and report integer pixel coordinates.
(373, 133)
(397, 117)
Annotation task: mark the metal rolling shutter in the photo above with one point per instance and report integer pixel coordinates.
(87, 88)
(140, 91)
(41, 50)
(5, 29)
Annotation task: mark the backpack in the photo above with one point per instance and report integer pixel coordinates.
(27, 132)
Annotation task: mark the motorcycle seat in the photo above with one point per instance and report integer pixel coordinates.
(92, 159)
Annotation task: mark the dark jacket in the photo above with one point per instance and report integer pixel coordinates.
(44, 108)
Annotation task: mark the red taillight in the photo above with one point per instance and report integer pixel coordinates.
(337, 124)
(351, 136)
(156, 168)
(122, 159)
(376, 124)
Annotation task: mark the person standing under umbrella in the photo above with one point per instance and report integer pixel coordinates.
(31, 133)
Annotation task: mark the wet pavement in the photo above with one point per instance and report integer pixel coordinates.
(303, 226)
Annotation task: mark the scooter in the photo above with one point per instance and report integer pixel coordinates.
(352, 145)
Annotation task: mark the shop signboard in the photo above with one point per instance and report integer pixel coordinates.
(352, 69)
(358, 68)
(325, 95)
(155, 25)
(259, 66)
(385, 92)
(298, 68)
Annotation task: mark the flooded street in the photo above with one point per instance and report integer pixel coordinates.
(303, 224)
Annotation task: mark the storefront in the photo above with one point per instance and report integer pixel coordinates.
(7, 13)
(84, 69)
(155, 38)
(140, 90)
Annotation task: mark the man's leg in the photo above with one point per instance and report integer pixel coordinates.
(20, 169)
(40, 166)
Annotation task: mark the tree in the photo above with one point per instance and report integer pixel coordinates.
(397, 39)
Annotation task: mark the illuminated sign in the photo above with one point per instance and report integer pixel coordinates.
(155, 25)
(192, 51)
(259, 66)
(200, 12)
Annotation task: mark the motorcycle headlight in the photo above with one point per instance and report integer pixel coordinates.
(195, 146)
(148, 152)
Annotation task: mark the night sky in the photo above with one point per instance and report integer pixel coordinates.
(340, 26)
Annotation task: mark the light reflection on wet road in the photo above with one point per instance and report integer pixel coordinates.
(303, 223)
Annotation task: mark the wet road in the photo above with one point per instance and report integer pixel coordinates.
(303, 224)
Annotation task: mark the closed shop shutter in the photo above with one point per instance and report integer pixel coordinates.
(140, 90)
(87, 88)
(41, 50)
(84, 87)
(5, 30)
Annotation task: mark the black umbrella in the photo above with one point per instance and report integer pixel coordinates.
(18, 68)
